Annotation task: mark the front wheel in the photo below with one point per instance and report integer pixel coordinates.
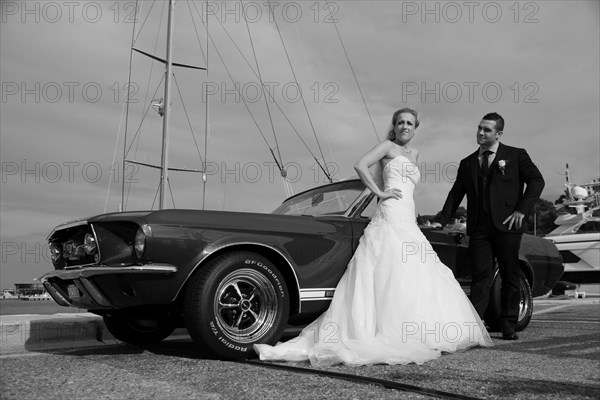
(236, 300)
(139, 330)
(525, 303)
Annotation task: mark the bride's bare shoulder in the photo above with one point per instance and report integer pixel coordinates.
(416, 154)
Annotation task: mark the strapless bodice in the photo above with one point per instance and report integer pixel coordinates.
(398, 173)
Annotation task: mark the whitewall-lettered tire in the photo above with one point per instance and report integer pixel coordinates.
(234, 301)
(525, 303)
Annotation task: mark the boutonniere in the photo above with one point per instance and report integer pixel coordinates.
(502, 166)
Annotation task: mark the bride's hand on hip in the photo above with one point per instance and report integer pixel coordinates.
(391, 194)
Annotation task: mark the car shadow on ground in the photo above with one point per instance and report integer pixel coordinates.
(183, 348)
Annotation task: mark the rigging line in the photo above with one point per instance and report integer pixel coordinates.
(188, 118)
(206, 103)
(207, 115)
(206, 99)
(236, 86)
(288, 188)
(204, 57)
(153, 63)
(326, 170)
(238, 90)
(122, 208)
(353, 73)
(275, 158)
(115, 157)
(233, 81)
(142, 121)
(171, 191)
(310, 76)
(262, 86)
(143, 23)
(269, 93)
(155, 196)
(146, 97)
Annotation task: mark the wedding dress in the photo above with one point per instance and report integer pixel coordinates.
(396, 303)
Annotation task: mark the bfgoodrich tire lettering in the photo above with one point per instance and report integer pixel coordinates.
(234, 301)
(525, 304)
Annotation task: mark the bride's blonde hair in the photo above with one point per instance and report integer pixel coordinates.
(391, 135)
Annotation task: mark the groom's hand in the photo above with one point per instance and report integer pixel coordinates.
(515, 218)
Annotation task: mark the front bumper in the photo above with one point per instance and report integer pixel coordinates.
(102, 287)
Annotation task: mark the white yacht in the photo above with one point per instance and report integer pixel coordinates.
(577, 236)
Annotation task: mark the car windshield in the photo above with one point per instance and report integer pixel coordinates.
(334, 199)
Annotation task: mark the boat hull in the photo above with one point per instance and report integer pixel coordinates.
(581, 256)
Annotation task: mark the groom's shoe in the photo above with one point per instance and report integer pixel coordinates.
(510, 335)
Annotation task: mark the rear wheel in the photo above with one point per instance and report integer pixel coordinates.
(236, 300)
(138, 330)
(525, 303)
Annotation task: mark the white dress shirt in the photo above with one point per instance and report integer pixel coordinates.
(493, 148)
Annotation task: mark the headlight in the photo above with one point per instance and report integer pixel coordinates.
(55, 252)
(139, 243)
(89, 244)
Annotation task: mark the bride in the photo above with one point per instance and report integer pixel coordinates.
(397, 303)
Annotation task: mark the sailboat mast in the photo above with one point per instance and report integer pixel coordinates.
(164, 163)
(568, 184)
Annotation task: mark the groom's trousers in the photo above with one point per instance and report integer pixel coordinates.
(486, 244)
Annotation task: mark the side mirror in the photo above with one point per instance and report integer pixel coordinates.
(316, 199)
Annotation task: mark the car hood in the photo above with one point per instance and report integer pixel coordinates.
(230, 220)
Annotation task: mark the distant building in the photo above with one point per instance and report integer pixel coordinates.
(29, 289)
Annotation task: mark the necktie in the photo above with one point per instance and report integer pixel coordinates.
(484, 162)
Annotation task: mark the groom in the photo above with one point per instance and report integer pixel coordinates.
(493, 178)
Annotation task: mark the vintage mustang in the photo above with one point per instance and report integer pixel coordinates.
(234, 279)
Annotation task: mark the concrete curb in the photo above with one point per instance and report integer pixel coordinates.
(31, 332)
(35, 331)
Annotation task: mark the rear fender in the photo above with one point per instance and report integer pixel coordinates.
(527, 269)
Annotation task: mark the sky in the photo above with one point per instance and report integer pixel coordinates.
(64, 68)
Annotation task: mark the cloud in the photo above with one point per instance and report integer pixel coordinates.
(64, 81)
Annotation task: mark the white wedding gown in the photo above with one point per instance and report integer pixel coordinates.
(396, 303)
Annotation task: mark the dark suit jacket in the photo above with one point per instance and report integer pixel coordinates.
(506, 189)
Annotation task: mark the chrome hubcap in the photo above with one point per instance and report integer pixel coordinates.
(245, 305)
(522, 305)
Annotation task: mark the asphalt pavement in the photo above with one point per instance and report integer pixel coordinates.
(557, 357)
(28, 332)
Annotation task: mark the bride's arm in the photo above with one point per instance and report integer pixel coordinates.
(371, 157)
